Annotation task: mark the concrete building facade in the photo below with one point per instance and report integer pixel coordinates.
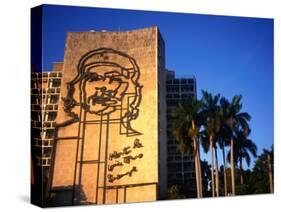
(110, 134)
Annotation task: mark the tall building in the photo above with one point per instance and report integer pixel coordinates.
(180, 168)
(45, 94)
(100, 122)
(110, 134)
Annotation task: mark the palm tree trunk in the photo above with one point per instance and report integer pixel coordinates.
(196, 168)
(199, 170)
(270, 173)
(212, 166)
(197, 165)
(232, 166)
(224, 169)
(241, 172)
(217, 173)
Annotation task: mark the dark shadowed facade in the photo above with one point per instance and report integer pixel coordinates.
(180, 168)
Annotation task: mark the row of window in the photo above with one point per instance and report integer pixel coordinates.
(177, 88)
(42, 151)
(179, 96)
(180, 81)
(170, 137)
(44, 142)
(173, 150)
(43, 133)
(46, 99)
(45, 91)
(43, 124)
(43, 161)
(188, 184)
(178, 157)
(51, 83)
(172, 102)
(180, 176)
(45, 74)
(40, 107)
(173, 167)
(43, 116)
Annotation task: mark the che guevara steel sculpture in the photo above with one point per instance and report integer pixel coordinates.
(107, 81)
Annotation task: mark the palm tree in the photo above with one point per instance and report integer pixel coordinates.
(186, 128)
(212, 122)
(234, 119)
(242, 149)
(223, 141)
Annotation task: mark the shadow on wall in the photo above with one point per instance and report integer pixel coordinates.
(62, 196)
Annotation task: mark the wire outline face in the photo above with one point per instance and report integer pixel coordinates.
(111, 85)
(106, 91)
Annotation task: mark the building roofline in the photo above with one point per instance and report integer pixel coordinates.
(115, 31)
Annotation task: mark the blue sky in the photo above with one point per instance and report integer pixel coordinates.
(227, 55)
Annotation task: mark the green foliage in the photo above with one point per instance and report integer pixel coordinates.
(259, 179)
(232, 115)
(211, 113)
(175, 192)
(242, 189)
(187, 122)
(222, 120)
(243, 147)
(256, 181)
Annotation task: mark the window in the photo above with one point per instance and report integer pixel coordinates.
(35, 100)
(169, 96)
(172, 102)
(46, 143)
(187, 175)
(187, 166)
(183, 81)
(52, 116)
(56, 82)
(176, 96)
(34, 83)
(186, 88)
(173, 88)
(54, 99)
(170, 135)
(35, 133)
(47, 99)
(50, 133)
(172, 150)
(174, 167)
(190, 81)
(43, 161)
(183, 96)
(176, 81)
(36, 116)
